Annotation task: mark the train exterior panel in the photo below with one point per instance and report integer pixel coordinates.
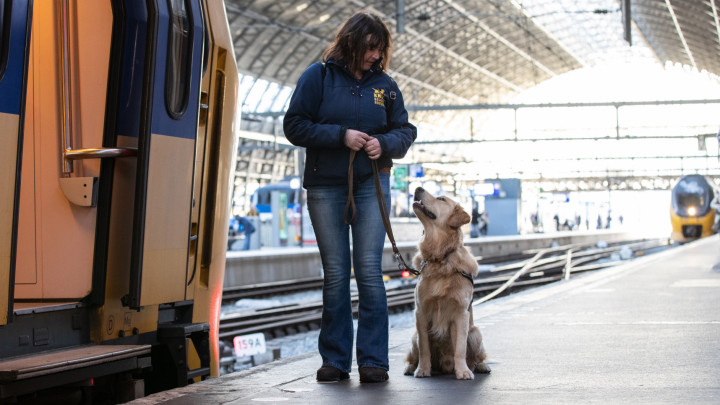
(690, 212)
(119, 120)
(686, 229)
(14, 52)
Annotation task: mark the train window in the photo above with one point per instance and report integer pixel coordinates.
(691, 200)
(692, 192)
(4, 35)
(179, 59)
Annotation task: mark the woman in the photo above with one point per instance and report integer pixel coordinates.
(348, 103)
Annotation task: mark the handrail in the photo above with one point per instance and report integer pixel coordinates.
(567, 269)
(511, 280)
(65, 88)
(98, 153)
(568, 265)
(68, 153)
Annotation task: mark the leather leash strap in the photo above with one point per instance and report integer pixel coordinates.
(350, 204)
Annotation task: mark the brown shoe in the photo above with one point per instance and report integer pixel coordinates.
(330, 373)
(373, 375)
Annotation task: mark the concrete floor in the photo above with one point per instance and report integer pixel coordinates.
(645, 332)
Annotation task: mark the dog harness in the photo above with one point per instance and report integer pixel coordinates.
(424, 263)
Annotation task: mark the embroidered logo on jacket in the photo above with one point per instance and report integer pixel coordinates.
(379, 95)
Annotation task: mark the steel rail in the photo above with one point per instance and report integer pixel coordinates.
(538, 270)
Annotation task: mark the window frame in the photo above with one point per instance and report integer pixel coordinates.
(174, 67)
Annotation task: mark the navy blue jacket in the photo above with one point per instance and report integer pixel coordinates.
(325, 104)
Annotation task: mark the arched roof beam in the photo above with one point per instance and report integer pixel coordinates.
(527, 15)
(680, 33)
(300, 67)
(449, 53)
(715, 17)
(420, 83)
(501, 39)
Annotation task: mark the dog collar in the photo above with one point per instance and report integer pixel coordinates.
(424, 262)
(445, 256)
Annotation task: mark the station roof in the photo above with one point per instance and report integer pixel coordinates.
(468, 52)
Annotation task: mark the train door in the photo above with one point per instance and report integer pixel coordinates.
(126, 119)
(166, 155)
(216, 154)
(63, 126)
(15, 22)
(149, 205)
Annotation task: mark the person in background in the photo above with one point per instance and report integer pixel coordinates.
(609, 221)
(247, 227)
(348, 103)
(232, 232)
(715, 204)
(474, 221)
(240, 225)
(484, 221)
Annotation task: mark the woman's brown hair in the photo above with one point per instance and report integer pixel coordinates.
(361, 32)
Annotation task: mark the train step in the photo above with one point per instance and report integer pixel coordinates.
(28, 373)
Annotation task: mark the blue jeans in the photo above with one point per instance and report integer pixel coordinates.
(246, 244)
(326, 205)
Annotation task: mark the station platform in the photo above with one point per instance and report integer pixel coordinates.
(271, 264)
(644, 332)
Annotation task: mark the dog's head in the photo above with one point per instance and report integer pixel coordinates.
(441, 213)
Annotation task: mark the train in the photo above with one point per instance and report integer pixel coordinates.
(118, 119)
(288, 191)
(286, 220)
(691, 214)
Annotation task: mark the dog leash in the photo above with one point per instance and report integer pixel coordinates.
(350, 205)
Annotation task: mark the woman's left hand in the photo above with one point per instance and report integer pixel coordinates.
(372, 148)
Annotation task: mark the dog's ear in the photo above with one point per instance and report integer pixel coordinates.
(458, 217)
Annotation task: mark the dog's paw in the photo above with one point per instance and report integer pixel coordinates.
(482, 368)
(410, 369)
(421, 373)
(464, 374)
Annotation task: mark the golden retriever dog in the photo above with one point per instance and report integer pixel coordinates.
(445, 339)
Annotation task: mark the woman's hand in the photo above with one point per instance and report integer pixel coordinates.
(372, 148)
(355, 140)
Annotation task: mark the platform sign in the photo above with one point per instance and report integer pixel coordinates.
(483, 189)
(247, 345)
(400, 173)
(416, 171)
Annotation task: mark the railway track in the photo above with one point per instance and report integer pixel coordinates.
(263, 290)
(533, 268)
